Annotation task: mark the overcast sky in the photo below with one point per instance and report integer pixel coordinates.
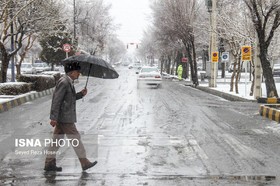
(133, 17)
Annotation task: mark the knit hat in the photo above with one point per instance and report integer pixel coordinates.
(71, 67)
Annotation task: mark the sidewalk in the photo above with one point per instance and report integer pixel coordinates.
(8, 102)
(223, 87)
(271, 111)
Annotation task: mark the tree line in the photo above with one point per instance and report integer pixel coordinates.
(180, 28)
(43, 26)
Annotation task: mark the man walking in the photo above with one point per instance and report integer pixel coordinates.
(63, 118)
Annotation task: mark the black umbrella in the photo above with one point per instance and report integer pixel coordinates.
(93, 66)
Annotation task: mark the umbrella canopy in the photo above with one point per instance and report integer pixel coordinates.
(93, 66)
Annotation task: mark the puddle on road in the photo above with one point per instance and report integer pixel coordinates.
(55, 178)
(217, 177)
(245, 178)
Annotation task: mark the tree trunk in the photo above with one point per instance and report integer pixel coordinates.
(236, 81)
(5, 62)
(265, 23)
(223, 65)
(253, 82)
(168, 64)
(195, 78)
(191, 60)
(271, 90)
(238, 74)
(161, 63)
(233, 74)
(232, 81)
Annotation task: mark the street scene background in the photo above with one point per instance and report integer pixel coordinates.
(174, 135)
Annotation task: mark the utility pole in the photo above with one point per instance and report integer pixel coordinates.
(213, 44)
(212, 6)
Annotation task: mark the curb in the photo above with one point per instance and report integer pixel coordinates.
(270, 111)
(18, 100)
(268, 100)
(222, 94)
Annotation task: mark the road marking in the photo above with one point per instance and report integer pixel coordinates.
(259, 131)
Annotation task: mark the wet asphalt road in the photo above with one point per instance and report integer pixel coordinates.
(175, 135)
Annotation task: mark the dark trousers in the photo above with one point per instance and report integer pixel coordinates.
(72, 133)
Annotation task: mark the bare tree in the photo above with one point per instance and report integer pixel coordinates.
(236, 31)
(176, 19)
(265, 16)
(115, 49)
(149, 46)
(95, 26)
(18, 21)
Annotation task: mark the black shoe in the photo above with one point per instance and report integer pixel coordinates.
(53, 168)
(91, 164)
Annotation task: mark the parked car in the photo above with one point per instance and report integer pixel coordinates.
(27, 68)
(42, 66)
(276, 70)
(39, 67)
(136, 66)
(149, 76)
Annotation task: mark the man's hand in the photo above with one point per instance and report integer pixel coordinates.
(84, 91)
(53, 123)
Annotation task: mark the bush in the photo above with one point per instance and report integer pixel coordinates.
(15, 88)
(55, 74)
(40, 82)
(27, 83)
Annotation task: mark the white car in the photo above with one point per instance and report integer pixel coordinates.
(276, 70)
(149, 76)
(27, 68)
(39, 67)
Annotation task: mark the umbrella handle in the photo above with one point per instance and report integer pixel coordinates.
(88, 75)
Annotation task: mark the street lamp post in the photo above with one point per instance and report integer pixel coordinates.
(212, 6)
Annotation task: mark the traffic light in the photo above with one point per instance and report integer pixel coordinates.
(136, 45)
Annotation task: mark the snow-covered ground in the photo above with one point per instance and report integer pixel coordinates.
(244, 86)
